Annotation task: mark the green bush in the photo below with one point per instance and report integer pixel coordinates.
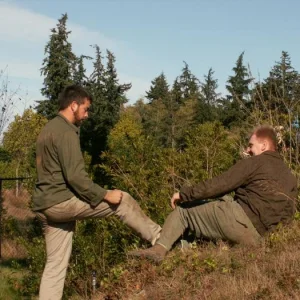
(151, 174)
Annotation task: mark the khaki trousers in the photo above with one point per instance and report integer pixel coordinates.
(58, 224)
(222, 219)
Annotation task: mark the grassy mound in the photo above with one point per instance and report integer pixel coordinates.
(214, 271)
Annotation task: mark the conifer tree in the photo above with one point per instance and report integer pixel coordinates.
(208, 99)
(209, 88)
(159, 89)
(176, 92)
(238, 84)
(114, 92)
(108, 99)
(189, 83)
(92, 129)
(80, 77)
(283, 85)
(236, 103)
(57, 69)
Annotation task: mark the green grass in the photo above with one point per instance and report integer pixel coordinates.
(10, 273)
(6, 290)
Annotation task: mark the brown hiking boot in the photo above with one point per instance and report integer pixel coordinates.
(156, 253)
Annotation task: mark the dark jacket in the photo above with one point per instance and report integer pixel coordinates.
(60, 167)
(264, 187)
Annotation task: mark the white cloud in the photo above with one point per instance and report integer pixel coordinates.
(29, 31)
(23, 25)
(26, 70)
(20, 24)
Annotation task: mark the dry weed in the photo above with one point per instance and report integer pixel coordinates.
(215, 272)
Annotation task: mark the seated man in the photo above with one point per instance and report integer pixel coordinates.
(65, 193)
(265, 194)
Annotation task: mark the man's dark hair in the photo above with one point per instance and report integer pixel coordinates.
(73, 93)
(266, 132)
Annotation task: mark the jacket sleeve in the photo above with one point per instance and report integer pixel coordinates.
(218, 186)
(72, 164)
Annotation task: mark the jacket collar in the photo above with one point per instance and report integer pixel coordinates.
(64, 119)
(271, 153)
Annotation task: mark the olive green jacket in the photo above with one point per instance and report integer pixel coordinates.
(60, 167)
(263, 185)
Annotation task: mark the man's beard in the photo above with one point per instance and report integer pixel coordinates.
(78, 120)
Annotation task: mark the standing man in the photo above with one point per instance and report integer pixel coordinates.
(265, 194)
(64, 192)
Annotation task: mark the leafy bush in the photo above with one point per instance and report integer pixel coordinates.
(151, 174)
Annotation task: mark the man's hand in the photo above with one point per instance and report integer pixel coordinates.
(114, 197)
(175, 199)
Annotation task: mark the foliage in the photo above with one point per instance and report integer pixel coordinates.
(10, 275)
(150, 174)
(208, 100)
(159, 89)
(238, 85)
(99, 245)
(4, 155)
(236, 104)
(58, 68)
(189, 83)
(80, 77)
(19, 141)
(137, 165)
(108, 99)
(283, 83)
(210, 151)
(275, 101)
(209, 88)
(29, 284)
(150, 150)
(214, 271)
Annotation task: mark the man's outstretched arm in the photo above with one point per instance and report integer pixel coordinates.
(220, 185)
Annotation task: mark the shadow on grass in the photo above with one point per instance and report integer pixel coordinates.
(14, 263)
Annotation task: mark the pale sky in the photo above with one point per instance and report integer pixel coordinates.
(150, 36)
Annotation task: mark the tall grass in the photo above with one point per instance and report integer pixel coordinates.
(214, 271)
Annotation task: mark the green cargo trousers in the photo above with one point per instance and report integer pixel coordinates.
(58, 224)
(221, 219)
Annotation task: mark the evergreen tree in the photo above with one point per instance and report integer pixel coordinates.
(189, 83)
(159, 89)
(283, 85)
(96, 80)
(238, 84)
(80, 77)
(114, 92)
(167, 116)
(238, 101)
(208, 99)
(209, 89)
(167, 120)
(176, 92)
(58, 68)
(92, 129)
(108, 99)
(277, 101)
